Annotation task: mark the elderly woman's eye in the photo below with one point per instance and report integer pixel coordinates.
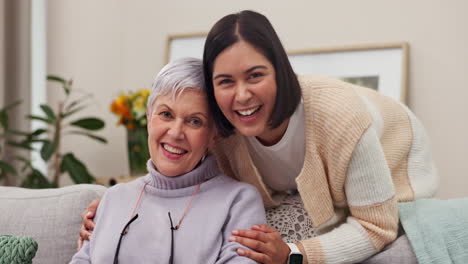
(195, 122)
(165, 114)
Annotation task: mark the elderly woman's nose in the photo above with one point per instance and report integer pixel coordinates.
(176, 130)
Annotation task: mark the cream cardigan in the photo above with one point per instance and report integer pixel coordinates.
(338, 116)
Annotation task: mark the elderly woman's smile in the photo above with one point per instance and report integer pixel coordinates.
(180, 132)
(173, 152)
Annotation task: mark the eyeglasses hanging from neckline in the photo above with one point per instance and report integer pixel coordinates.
(126, 227)
(123, 233)
(171, 258)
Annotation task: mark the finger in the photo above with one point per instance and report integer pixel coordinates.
(251, 243)
(94, 205)
(91, 210)
(88, 224)
(259, 257)
(79, 244)
(87, 215)
(85, 235)
(253, 234)
(264, 228)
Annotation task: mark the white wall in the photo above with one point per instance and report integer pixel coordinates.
(110, 46)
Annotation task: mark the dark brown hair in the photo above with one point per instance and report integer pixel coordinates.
(255, 29)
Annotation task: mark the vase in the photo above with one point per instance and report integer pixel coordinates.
(138, 152)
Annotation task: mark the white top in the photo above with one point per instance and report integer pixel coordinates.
(281, 163)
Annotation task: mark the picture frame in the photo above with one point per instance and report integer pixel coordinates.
(382, 66)
(185, 45)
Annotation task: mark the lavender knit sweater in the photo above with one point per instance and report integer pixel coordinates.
(221, 205)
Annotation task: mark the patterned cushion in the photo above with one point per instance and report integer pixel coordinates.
(291, 219)
(17, 249)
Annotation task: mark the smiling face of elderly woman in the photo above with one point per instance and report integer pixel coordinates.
(180, 127)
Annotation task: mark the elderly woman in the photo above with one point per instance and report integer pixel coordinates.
(184, 209)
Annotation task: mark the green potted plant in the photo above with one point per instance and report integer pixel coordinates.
(57, 125)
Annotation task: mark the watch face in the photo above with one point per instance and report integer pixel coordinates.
(295, 259)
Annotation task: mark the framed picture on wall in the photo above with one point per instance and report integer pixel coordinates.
(185, 45)
(383, 67)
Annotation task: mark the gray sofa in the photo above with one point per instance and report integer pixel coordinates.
(51, 216)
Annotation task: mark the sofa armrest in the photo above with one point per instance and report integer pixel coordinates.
(51, 216)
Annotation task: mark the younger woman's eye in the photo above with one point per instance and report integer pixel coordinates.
(225, 81)
(255, 75)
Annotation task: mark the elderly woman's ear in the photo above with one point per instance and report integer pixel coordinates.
(214, 140)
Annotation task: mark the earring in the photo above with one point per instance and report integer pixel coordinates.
(203, 158)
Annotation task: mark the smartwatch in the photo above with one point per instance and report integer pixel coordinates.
(295, 256)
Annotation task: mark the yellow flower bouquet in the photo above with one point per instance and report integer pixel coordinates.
(130, 108)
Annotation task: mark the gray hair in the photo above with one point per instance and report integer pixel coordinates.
(175, 77)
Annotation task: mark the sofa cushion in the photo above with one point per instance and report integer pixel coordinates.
(52, 217)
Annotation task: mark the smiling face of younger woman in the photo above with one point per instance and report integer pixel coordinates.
(180, 132)
(244, 84)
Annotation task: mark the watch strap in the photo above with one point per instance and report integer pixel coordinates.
(295, 255)
(294, 248)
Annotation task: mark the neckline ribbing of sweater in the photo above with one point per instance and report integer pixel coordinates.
(205, 171)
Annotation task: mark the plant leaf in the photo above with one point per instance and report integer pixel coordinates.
(74, 110)
(48, 148)
(36, 180)
(33, 136)
(72, 104)
(22, 144)
(7, 167)
(68, 85)
(76, 169)
(41, 119)
(37, 140)
(65, 84)
(55, 78)
(95, 137)
(38, 132)
(90, 123)
(27, 162)
(19, 133)
(14, 104)
(48, 111)
(23, 159)
(4, 119)
(77, 101)
(4, 114)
